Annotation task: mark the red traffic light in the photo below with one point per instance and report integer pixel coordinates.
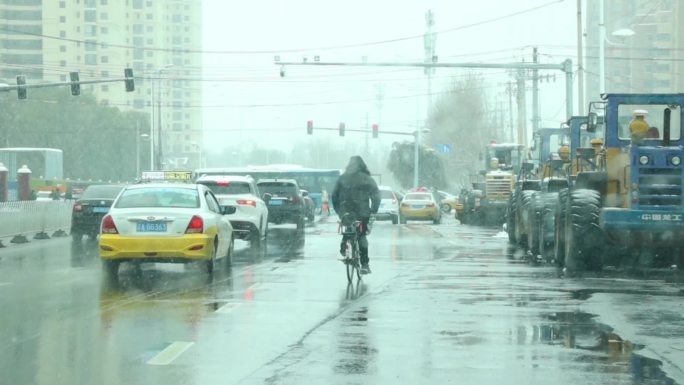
(309, 127)
(375, 130)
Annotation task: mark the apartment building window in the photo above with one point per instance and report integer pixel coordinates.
(104, 74)
(150, 42)
(137, 4)
(103, 2)
(62, 48)
(62, 4)
(62, 33)
(177, 116)
(90, 16)
(149, 3)
(177, 126)
(62, 63)
(62, 78)
(663, 37)
(104, 59)
(149, 16)
(138, 54)
(138, 41)
(104, 16)
(104, 30)
(90, 3)
(150, 53)
(62, 19)
(139, 103)
(91, 59)
(177, 40)
(90, 30)
(138, 28)
(91, 45)
(150, 28)
(176, 18)
(104, 88)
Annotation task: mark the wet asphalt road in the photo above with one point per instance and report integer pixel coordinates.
(445, 304)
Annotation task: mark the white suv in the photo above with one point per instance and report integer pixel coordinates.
(389, 205)
(250, 220)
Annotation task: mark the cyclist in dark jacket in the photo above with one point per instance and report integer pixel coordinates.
(357, 193)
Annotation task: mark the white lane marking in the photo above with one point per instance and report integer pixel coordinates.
(171, 352)
(227, 308)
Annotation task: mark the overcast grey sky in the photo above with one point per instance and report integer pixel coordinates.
(253, 98)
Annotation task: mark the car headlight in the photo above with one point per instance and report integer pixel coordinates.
(643, 159)
(676, 160)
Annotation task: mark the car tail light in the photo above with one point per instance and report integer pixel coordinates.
(78, 208)
(223, 183)
(246, 202)
(195, 226)
(108, 226)
(430, 205)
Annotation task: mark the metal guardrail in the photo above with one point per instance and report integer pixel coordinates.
(23, 220)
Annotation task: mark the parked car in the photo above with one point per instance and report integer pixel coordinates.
(420, 204)
(90, 208)
(389, 205)
(284, 200)
(250, 219)
(167, 223)
(309, 206)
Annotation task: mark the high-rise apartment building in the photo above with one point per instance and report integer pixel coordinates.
(644, 46)
(160, 40)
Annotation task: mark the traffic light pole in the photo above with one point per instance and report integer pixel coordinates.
(565, 67)
(128, 79)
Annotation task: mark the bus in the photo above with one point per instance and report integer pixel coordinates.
(310, 179)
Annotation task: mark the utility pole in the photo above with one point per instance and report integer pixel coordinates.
(509, 90)
(580, 61)
(535, 92)
(137, 148)
(429, 40)
(159, 122)
(522, 104)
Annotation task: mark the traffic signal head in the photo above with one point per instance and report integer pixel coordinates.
(130, 83)
(21, 86)
(309, 127)
(75, 85)
(375, 130)
(342, 127)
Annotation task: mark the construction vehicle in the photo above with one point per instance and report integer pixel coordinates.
(627, 208)
(486, 203)
(535, 190)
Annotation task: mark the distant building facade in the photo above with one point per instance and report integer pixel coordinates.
(160, 40)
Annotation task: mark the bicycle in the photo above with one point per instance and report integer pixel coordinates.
(350, 228)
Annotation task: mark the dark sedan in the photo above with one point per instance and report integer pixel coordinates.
(89, 209)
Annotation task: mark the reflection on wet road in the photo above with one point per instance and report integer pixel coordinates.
(445, 303)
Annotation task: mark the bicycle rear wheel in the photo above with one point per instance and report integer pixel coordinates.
(357, 261)
(349, 261)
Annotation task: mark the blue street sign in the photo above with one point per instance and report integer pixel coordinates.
(443, 148)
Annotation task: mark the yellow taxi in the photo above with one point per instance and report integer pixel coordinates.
(166, 222)
(420, 205)
(448, 201)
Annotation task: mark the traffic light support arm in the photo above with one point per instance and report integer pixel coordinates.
(11, 87)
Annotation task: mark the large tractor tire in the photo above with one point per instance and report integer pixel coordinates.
(534, 211)
(511, 213)
(559, 228)
(523, 224)
(583, 236)
(546, 226)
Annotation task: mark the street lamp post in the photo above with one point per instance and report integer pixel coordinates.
(156, 156)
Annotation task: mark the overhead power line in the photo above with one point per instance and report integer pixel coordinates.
(289, 50)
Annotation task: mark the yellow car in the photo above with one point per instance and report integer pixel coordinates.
(166, 223)
(420, 205)
(448, 202)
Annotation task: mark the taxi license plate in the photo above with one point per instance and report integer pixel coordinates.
(100, 209)
(151, 227)
(275, 202)
(417, 206)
